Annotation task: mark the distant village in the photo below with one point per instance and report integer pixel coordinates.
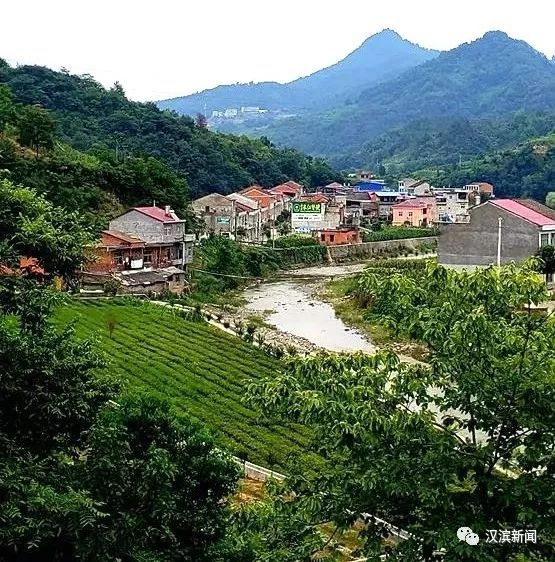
(147, 249)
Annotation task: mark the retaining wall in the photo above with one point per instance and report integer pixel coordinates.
(347, 252)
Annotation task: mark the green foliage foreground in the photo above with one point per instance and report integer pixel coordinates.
(466, 440)
(87, 473)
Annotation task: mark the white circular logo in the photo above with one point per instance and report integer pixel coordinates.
(466, 534)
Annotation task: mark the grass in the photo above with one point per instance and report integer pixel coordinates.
(338, 293)
(200, 369)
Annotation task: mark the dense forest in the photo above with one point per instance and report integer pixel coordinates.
(104, 122)
(525, 171)
(438, 142)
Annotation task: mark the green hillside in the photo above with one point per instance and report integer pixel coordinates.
(494, 76)
(445, 141)
(89, 117)
(199, 368)
(527, 170)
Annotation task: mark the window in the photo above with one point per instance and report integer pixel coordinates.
(323, 237)
(332, 237)
(544, 239)
(400, 213)
(118, 258)
(424, 211)
(147, 256)
(207, 209)
(410, 213)
(167, 229)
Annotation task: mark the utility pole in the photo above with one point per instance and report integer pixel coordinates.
(499, 229)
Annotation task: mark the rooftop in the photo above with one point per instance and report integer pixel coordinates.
(159, 214)
(540, 215)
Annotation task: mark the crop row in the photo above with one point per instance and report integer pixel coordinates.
(199, 369)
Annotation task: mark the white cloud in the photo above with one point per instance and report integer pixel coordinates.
(165, 48)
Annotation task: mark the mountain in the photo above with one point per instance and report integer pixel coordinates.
(89, 117)
(491, 77)
(381, 57)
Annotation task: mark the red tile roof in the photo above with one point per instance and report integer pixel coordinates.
(523, 211)
(316, 198)
(411, 204)
(129, 238)
(158, 214)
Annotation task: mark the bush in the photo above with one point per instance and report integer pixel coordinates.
(111, 287)
(398, 233)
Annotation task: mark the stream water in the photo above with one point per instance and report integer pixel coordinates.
(290, 306)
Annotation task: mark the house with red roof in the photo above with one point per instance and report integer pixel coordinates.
(521, 225)
(421, 211)
(147, 237)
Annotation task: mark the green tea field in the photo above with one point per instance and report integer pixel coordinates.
(199, 368)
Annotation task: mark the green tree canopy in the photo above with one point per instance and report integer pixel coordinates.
(465, 440)
(36, 127)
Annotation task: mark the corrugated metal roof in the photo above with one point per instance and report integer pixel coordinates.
(522, 211)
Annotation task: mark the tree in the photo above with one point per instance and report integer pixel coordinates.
(35, 127)
(86, 473)
(546, 255)
(550, 199)
(7, 107)
(465, 440)
(200, 121)
(32, 227)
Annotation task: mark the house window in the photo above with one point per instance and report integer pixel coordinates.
(410, 213)
(323, 237)
(167, 229)
(207, 209)
(544, 239)
(400, 213)
(332, 237)
(167, 253)
(118, 258)
(147, 258)
(424, 211)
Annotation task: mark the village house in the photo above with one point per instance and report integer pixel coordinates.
(290, 189)
(525, 226)
(217, 212)
(452, 205)
(163, 233)
(386, 201)
(143, 237)
(316, 212)
(414, 212)
(337, 236)
(364, 203)
(271, 205)
(248, 218)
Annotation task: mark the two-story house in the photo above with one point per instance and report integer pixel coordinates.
(218, 214)
(163, 234)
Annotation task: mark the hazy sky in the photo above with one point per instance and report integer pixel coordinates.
(166, 48)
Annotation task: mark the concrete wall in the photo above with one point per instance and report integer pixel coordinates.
(148, 229)
(368, 249)
(475, 243)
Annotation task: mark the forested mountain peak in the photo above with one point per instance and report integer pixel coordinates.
(381, 57)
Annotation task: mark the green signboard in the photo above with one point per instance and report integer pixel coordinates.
(223, 220)
(306, 207)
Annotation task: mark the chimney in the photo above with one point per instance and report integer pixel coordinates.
(168, 210)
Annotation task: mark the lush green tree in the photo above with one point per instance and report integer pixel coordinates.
(465, 440)
(546, 255)
(7, 108)
(87, 474)
(550, 199)
(161, 483)
(32, 227)
(35, 127)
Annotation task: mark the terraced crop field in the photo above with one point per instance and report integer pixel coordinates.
(199, 368)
